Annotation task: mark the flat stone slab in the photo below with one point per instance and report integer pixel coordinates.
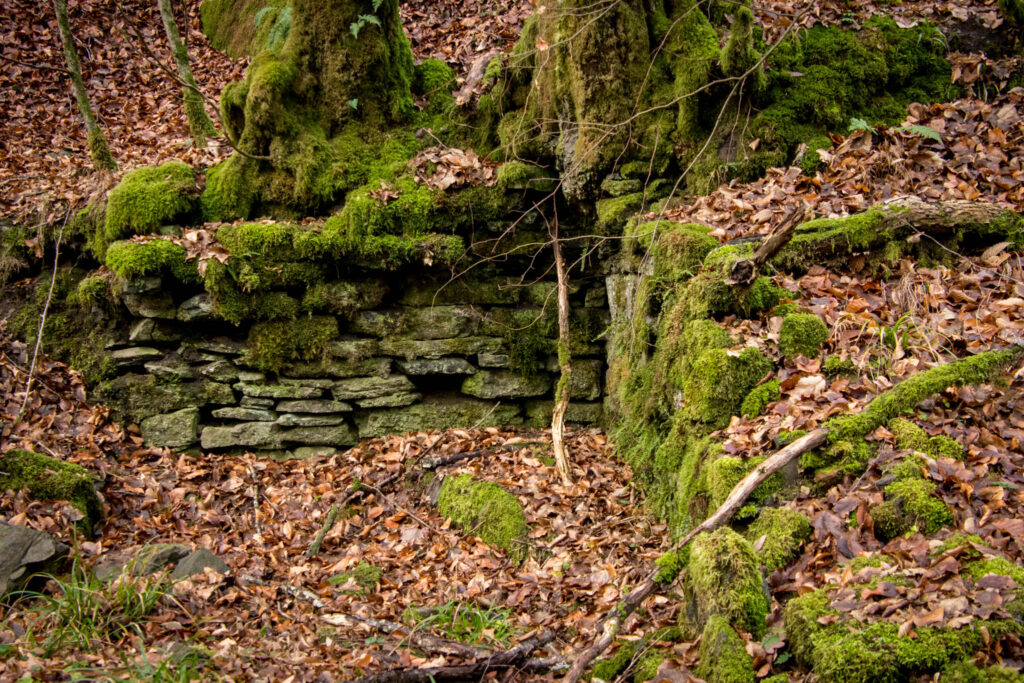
(244, 434)
(438, 366)
(338, 435)
(172, 368)
(319, 383)
(199, 307)
(245, 414)
(219, 371)
(135, 355)
(150, 305)
(293, 420)
(340, 368)
(253, 402)
(505, 384)
(493, 360)
(314, 406)
(431, 322)
(402, 398)
(361, 388)
(179, 429)
(277, 390)
(439, 348)
(445, 414)
(150, 330)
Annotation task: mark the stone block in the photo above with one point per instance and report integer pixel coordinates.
(150, 305)
(355, 349)
(244, 434)
(293, 420)
(179, 429)
(493, 360)
(361, 388)
(505, 384)
(219, 371)
(253, 402)
(436, 366)
(402, 398)
(135, 355)
(148, 331)
(244, 414)
(431, 322)
(197, 308)
(585, 381)
(196, 562)
(337, 435)
(319, 383)
(538, 413)
(140, 396)
(277, 390)
(170, 369)
(338, 367)
(442, 414)
(314, 406)
(439, 348)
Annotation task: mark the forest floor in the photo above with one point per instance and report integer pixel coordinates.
(275, 615)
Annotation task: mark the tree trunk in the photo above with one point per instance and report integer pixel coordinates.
(198, 122)
(564, 365)
(102, 159)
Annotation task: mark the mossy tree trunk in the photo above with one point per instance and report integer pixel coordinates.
(344, 63)
(586, 75)
(198, 121)
(102, 159)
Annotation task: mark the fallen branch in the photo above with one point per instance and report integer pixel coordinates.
(329, 522)
(517, 657)
(612, 621)
(907, 394)
(419, 639)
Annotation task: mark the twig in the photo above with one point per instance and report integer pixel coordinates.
(396, 506)
(45, 67)
(329, 522)
(420, 639)
(255, 502)
(42, 318)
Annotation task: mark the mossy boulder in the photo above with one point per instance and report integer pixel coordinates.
(723, 579)
(842, 650)
(273, 344)
(719, 381)
(780, 533)
(802, 334)
(909, 505)
(486, 510)
(137, 397)
(48, 478)
(134, 260)
(723, 654)
(759, 398)
(151, 197)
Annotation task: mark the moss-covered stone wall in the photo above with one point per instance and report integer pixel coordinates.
(306, 368)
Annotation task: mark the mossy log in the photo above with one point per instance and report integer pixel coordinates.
(896, 224)
(901, 398)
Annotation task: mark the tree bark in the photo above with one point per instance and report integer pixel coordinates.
(198, 122)
(102, 159)
(564, 365)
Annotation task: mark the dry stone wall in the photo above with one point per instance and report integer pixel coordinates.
(423, 356)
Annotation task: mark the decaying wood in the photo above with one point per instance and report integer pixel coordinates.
(419, 639)
(329, 522)
(514, 658)
(442, 460)
(612, 621)
(902, 218)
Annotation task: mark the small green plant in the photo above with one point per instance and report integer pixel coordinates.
(83, 610)
(467, 623)
(279, 30)
(362, 20)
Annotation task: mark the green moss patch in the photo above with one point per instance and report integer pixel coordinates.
(759, 398)
(364, 574)
(274, 343)
(802, 334)
(722, 579)
(486, 510)
(48, 478)
(723, 654)
(909, 505)
(783, 532)
(148, 198)
(132, 260)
